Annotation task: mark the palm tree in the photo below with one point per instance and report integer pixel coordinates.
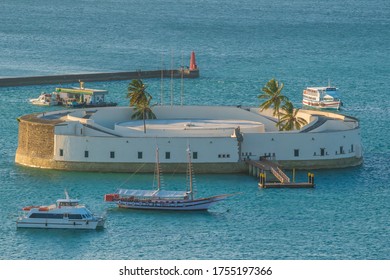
(289, 119)
(143, 111)
(140, 99)
(137, 93)
(272, 92)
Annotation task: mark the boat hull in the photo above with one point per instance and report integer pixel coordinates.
(56, 224)
(180, 205)
(42, 103)
(322, 105)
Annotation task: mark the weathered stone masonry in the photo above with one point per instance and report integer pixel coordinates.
(35, 141)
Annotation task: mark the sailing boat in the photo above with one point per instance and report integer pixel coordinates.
(159, 199)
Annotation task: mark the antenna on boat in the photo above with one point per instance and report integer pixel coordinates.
(66, 194)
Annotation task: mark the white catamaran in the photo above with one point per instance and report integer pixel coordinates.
(67, 213)
(162, 199)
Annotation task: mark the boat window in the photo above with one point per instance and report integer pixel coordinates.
(112, 154)
(45, 216)
(86, 154)
(68, 203)
(61, 152)
(139, 155)
(75, 216)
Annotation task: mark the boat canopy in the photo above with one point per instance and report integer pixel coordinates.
(82, 91)
(152, 193)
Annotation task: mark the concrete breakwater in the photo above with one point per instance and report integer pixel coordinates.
(95, 77)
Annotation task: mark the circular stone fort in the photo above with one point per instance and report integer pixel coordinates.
(222, 139)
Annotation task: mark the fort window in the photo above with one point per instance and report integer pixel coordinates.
(61, 152)
(296, 153)
(195, 155)
(167, 155)
(219, 155)
(351, 148)
(341, 150)
(86, 154)
(139, 155)
(322, 151)
(112, 154)
(228, 155)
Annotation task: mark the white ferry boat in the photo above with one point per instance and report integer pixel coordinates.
(322, 98)
(65, 214)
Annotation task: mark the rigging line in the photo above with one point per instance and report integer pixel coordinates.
(131, 175)
(176, 168)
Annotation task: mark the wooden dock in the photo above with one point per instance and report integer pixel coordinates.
(260, 168)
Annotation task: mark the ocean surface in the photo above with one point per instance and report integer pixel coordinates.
(239, 46)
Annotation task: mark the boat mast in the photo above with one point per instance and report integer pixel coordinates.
(182, 80)
(172, 79)
(158, 170)
(162, 80)
(191, 192)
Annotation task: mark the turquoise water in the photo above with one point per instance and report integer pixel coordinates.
(240, 45)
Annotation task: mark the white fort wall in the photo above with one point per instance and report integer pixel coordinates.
(302, 146)
(138, 150)
(108, 135)
(278, 146)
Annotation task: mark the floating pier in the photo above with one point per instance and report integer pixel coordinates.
(259, 169)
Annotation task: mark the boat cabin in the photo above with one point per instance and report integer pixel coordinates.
(82, 95)
(321, 93)
(67, 203)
